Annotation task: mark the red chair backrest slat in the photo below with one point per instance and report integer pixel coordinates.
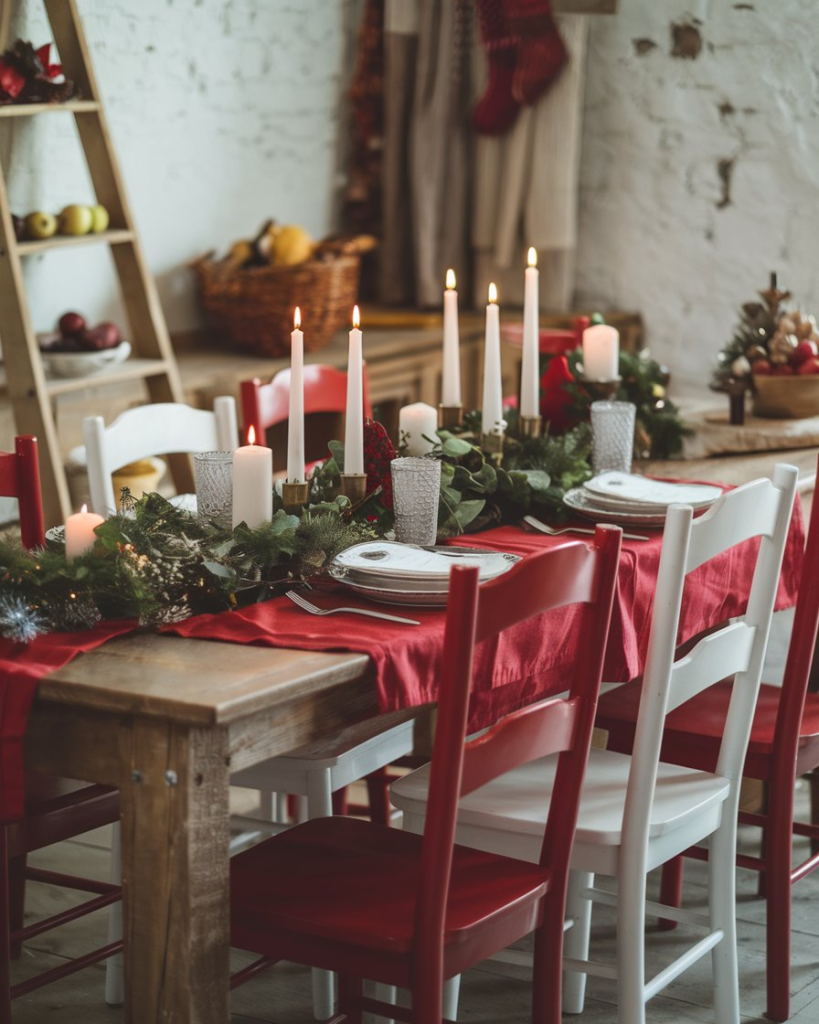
(572, 573)
(325, 390)
(20, 478)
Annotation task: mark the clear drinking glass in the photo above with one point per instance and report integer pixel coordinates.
(612, 436)
(214, 487)
(416, 483)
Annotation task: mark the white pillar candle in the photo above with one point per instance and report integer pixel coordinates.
(354, 420)
(451, 379)
(252, 483)
(529, 375)
(416, 423)
(295, 423)
(601, 352)
(79, 532)
(492, 408)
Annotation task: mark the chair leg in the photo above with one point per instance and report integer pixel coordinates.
(320, 805)
(267, 805)
(350, 992)
(576, 941)
(378, 795)
(762, 881)
(722, 909)
(547, 965)
(631, 951)
(671, 889)
(17, 901)
(778, 854)
(5, 945)
(813, 782)
(451, 995)
(114, 966)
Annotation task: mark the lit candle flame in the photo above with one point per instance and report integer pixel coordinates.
(356, 317)
(493, 293)
(251, 435)
(450, 278)
(296, 319)
(532, 258)
(83, 510)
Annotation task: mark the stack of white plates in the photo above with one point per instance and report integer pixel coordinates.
(631, 500)
(403, 574)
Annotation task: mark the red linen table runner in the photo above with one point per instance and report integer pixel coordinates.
(528, 662)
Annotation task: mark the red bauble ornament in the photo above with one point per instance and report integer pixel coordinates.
(378, 456)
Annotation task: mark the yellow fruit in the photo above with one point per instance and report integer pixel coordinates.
(41, 225)
(240, 253)
(137, 468)
(100, 218)
(292, 245)
(75, 220)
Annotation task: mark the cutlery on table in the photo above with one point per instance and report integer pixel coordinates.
(537, 525)
(297, 599)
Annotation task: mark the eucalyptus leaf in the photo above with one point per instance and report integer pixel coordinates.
(455, 447)
(537, 479)
(217, 569)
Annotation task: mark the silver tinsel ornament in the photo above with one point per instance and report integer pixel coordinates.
(19, 621)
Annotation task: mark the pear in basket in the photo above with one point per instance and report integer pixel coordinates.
(291, 245)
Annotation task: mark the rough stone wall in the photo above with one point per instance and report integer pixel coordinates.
(700, 166)
(222, 114)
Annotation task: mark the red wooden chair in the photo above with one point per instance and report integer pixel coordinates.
(408, 910)
(20, 478)
(784, 745)
(55, 809)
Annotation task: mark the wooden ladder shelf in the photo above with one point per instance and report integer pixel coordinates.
(153, 360)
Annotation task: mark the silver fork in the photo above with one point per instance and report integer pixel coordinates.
(305, 604)
(544, 528)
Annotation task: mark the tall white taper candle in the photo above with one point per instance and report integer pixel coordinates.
(295, 425)
(451, 378)
(492, 408)
(354, 424)
(529, 375)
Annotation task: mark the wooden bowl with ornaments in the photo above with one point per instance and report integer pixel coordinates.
(788, 389)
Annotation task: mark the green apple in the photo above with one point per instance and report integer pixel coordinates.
(76, 220)
(41, 225)
(99, 219)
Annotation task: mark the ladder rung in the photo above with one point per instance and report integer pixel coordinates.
(33, 246)
(131, 369)
(30, 109)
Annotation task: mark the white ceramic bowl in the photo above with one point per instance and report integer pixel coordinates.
(84, 364)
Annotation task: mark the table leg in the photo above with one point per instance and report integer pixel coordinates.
(175, 874)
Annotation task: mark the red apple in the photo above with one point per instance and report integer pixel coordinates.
(804, 350)
(784, 370)
(71, 324)
(809, 366)
(761, 366)
(110, 333)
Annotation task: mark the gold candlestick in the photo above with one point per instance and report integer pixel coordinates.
(295, 496)
(354, 486)
(530, 426)
(493, 443)
(601, 390)
(450, 416)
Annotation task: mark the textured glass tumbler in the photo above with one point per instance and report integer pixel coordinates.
(214, 487)
(612, 436)
(416, 484)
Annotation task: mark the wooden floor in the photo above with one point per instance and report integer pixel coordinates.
(283, 994)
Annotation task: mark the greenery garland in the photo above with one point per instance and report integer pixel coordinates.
(158, 564)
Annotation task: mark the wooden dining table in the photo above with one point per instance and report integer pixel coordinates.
(166, 720)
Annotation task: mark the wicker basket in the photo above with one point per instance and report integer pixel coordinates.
(786, 397)
(254, 306)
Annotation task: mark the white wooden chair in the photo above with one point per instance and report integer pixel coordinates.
(637, 813)
(159, 429)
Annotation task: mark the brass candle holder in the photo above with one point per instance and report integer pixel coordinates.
(493, 443)
(601, 390)
(450, 416)
(295, 496)
(354, 486)
(530, 426)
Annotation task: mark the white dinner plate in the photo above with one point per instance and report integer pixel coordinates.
(582, 502)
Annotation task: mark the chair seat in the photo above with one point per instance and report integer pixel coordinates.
(699, 723)
(369, 898)
(519, 800)
(58, 808)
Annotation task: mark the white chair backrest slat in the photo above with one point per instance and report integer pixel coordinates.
(160, 429)
(760, 508)
(716, 656)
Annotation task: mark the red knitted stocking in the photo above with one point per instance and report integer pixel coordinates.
(496, 110)
(541, 54)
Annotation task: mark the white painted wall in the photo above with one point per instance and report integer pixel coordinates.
(653, 235)
(223, 113)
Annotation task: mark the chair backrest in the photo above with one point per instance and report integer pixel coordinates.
(800, 653)
(325, 390)
(20, 479)
(574, 573)
(758, 509)
(161, 429)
